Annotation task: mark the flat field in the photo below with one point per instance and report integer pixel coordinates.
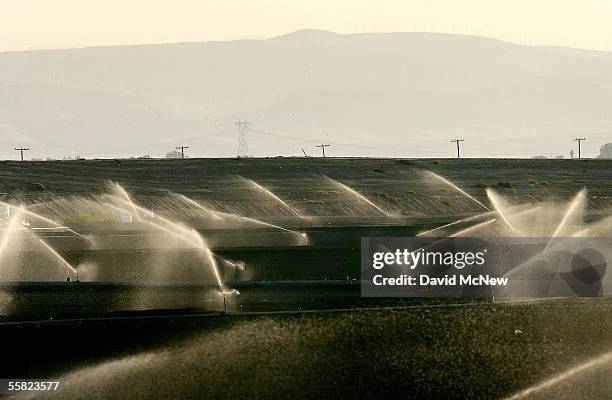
(299, 328)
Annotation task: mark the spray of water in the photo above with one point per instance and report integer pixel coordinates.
(59, 257)
(455, 187)
(226, 216)
(13, 225)
(197, 205)
(268, 193)
(42, 218)
(13, 222)
(497, 205)
(357, 195)
(473, 228)
(574, 206)
(555, 380)
(123, 193)
(235, 264)
(469, 219)
(488, 222)
(211, 259)
(186, 234)
(55, 228)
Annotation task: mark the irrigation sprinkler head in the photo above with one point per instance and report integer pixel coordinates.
(235, 264)
(226, 293)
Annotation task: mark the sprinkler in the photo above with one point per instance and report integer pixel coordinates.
(225, 293)
(238, 266)
(224, 303)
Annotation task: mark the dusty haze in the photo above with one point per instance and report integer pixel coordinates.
(386, 94)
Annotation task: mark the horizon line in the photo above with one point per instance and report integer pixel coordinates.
(260, 39)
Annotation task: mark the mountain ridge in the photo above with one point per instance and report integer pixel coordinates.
(382, 88)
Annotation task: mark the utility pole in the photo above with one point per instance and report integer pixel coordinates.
(579, 140)
(323, 146)
(457, 141)
(242, 127)
(21, 150)
(182, 149)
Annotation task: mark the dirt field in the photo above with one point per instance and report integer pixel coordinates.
(120, 333)
(456, 352)
(396, 185)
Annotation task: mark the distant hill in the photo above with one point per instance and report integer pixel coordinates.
(390, 94)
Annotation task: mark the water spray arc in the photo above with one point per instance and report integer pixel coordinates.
(357, 195)
(270, 194)
(122, 192)
(468, 219)
(187, 235)
(42, 218)
(573, 207)
(222, 216)
(194, 203)
(455, 187)
(14, 220)
(13, 227)
(596, 362)
(495, 201)
(61, 259)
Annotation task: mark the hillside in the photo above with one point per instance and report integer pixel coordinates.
(392, 94)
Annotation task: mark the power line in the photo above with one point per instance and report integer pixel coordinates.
(457, 141)
(323, 146)
(182, 149)
(579, 140)
(21, 150)
(346, 144)
(160, 144)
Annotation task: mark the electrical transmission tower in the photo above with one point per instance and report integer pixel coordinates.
(182, 149)
(242, 127)
(457, 141)
(579, 140)
(21, 150)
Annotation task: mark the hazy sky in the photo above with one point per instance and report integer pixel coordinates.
(33, 24)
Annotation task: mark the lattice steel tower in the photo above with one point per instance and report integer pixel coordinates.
(242, 127)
